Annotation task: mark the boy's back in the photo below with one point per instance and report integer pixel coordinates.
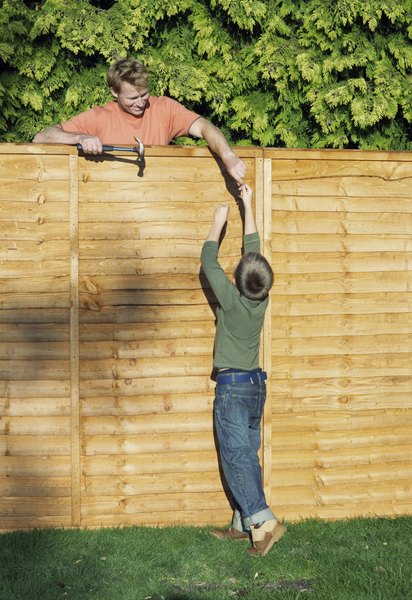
(239, 319)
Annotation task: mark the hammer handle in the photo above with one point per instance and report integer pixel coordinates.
(110, 148)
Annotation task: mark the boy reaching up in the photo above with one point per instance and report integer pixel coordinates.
(240, 392)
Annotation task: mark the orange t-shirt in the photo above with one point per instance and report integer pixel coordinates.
(163, 120)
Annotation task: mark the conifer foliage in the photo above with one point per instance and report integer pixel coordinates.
(280, 73)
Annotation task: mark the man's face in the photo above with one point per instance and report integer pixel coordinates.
(131, 99)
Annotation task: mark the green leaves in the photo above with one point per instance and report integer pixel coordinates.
(295, 73)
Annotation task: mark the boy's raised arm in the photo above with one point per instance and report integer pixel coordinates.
(219, 222)
(246, 194)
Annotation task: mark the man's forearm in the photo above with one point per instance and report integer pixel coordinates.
(219, 145)
(55, 134)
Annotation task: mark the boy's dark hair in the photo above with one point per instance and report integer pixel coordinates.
(253, 276)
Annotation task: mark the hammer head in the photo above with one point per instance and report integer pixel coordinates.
(140, 151)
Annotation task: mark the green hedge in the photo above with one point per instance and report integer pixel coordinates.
(282, 73)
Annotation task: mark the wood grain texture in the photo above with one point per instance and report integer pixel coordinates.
(107, 327)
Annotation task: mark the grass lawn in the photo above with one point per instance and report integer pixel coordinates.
(362, 559)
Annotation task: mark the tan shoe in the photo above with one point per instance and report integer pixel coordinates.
(265, 536)
(229, 534)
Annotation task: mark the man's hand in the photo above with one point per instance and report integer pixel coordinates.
(236, 168)
(90, 144)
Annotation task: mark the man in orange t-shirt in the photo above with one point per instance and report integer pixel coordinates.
(155, 120)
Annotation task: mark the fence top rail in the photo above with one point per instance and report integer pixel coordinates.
(242, 151)
(176, 151)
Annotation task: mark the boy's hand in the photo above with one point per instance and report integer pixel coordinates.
(219, 222)
(221, 214)
(246, 194)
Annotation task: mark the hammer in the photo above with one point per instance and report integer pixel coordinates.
(139, 149)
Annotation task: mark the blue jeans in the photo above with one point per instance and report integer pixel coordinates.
(238, 410)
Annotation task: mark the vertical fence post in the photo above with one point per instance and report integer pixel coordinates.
(263, 197)
(74, 340)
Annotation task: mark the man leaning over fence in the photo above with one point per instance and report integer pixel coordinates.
(155, 120)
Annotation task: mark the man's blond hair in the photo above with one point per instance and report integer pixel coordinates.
(130, 70)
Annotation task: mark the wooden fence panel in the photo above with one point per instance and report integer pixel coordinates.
(35, 431)
(341, 333)
(107, 328)
(146, 335)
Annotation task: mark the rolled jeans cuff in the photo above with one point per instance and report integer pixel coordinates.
(263, 515)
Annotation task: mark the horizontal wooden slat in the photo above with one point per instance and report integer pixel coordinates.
(37, 350)
(348, 345)
(39, 465)
(148, 442)
(201, 516)
(164, 483)
(157, 169)
(164, 229)
(313, 242)
(343, 266)
(51, 388)
(304, 164)
(146, 348)
(142, 190)
(34, 168)
(39, 232)
(35, 506)
(30, 269)
(320, 326)
(307, 202)
(171, 461)
(307, 388)
(365, 365)
(34, 213)
(172, 366)
(26, 370)
(35, 445)
(38, 425)
(132, 336)
(22, 407)
(145, 386)
(149, 503)
(29, 250)
(147, 424)
(148, 405)
(44, 487)
(34, 191)
(337, 457)
(341, 223)
(375, 399)
(342, 304)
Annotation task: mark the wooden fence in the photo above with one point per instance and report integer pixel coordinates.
(106, 335)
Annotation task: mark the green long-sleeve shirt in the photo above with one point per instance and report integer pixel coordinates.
(239, 320)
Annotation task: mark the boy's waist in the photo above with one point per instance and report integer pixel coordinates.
(239, 376)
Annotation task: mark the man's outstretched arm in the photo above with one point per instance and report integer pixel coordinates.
(55, 134)
(202, 128)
